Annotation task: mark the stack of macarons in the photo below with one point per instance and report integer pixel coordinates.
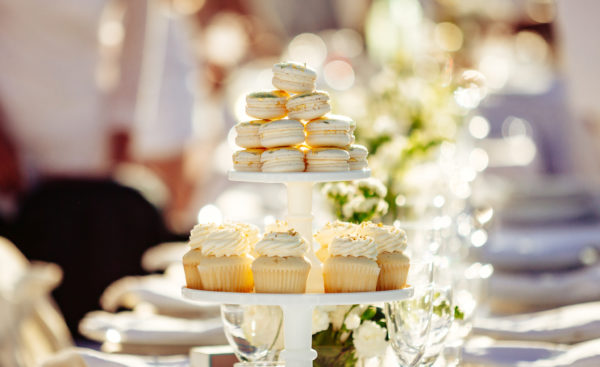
(307, 140)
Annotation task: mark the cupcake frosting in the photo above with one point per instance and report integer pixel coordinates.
(199, 234)
(387, 238)
(250, 232)
(278, 226)
(282, 244)
(334, 229)
(225, 241)
(355, 246)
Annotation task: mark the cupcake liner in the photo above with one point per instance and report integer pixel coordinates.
(280, 274)
(192, 276)
(392, 276)
(227, 274)
(348, 274)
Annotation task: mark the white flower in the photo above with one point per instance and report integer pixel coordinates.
(352, 321)
(374, 185)
(369, 340)
(382, 207)
(320, 320)
(367, 205)
(337, 316)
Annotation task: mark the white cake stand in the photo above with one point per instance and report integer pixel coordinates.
(299, 196)
(297, 313)
(298, 308)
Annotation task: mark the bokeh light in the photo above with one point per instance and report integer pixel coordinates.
(347, 43)
(448, 36)
(309, 48)
(339, 75)
(531, 47)
(541, 11)
(111, 33)
(479, 127)
(225, 29)
(210, 214)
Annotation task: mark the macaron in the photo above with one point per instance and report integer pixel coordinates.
(267, 105)
(247, 133)
(358, 157)
(280, 133)
(327, 159)
(308, 106)
(287, 159)
(328, 132)
(247, 160)
(294, 77)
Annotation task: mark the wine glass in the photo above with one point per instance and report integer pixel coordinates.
(408, 321)
(443, 312)
(254, 332)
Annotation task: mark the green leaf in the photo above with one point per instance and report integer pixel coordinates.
(458, 314)
(368, 314)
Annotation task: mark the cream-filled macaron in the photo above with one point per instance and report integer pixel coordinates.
(267, 105)
(308, 106)
(328, 132)
(281, 133)
(247, 160)
(294, 77)
(327, 159)
(358, 157)
(247, 133)
(287, 159)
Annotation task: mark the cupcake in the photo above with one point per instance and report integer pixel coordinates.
(280, 266)
(192, 258)
(351, 266)
(226, 265)
(394, 265)
(331, 230)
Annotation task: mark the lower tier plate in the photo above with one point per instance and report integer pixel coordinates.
(314, 299)
(280, 177)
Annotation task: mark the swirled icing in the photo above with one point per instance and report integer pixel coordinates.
(225, 241)
(387, 238)
(281, 244)
(334, 229)
(351, 245)
(199, 234)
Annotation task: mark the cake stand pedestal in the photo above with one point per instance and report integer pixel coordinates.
(297, 313)
(299, 199)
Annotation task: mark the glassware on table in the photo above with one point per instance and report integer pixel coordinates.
(443, 312)
(409, 321)
(254, 332)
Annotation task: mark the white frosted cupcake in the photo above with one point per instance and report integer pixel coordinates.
(226, 265)
(351, 266)
(331, 230)
(281, 266)
(192, 258)
(394, 265)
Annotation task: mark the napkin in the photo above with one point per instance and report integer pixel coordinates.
(84, 357)
(151, 329)
(545, 289)
(163, 292)
(159, 257)
(541, 248)
(527, 354)
(569, 324)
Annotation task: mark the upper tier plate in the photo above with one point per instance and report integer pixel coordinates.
(314, 299)
(279, 177)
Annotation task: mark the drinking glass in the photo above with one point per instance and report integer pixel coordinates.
(408, 321)
(443, 312)
(254, 332)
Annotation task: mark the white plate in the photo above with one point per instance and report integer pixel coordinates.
(281, 177)
(150, 329)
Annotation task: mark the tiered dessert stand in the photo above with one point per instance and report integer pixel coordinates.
(298, 308)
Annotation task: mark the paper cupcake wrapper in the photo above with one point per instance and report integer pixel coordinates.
(280, 281)
(392, 276)
(222, 277)
(352, 276)
(192, 276)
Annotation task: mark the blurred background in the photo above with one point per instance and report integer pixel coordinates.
(116, 117)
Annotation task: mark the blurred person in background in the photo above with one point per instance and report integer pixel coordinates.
(85, 86)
